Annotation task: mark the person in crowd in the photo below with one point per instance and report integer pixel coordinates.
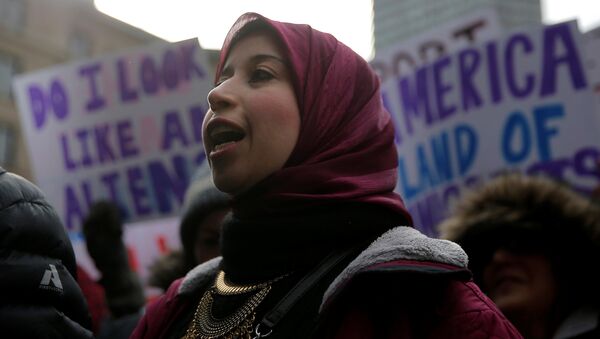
(103, 231)
(296, 132)
(39, 295)
(93, 293)
(596, 191)
(204, 209)
(534, 248)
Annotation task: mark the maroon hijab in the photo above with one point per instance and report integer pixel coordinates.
(345, 151)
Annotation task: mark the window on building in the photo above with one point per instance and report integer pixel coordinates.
(12, 14)
(80, 46)
(7, 144)
(8, 68)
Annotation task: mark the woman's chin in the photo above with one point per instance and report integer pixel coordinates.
(228, 184)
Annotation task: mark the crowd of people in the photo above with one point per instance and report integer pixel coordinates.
(300, 234)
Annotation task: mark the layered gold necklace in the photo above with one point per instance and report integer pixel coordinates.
(239, 324)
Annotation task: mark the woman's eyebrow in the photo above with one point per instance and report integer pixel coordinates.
(262, 57)
(255, 59)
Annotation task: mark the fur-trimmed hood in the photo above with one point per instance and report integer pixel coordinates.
(400, 243)
(523, 203)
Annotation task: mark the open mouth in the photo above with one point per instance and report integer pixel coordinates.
(222, 136)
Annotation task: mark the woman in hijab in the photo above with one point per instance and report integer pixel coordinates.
(297, 134)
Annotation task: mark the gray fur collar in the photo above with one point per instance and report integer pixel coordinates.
(400, 243)
(199, 276)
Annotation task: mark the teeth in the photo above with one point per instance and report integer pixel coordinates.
(219, 146)
(220, 129)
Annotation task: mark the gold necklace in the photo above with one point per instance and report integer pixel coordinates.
(223, 287)
(236, 325)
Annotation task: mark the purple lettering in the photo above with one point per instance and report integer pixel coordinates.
(170, 70)
(70, 165)
(126, 140)
(493, 75)
(469, 60)
(552, 60)
(37, 103)
(189, 62)
(415, 99)
(87, 193)
(110, 181)
(127, 93)
(166, 185)
(95, 101)
(59, 100)
(430, 210)
(173, 130)
(554, 168)
(511, 71)
(150, 80)
(138, 191)
(104, 150)
(441, 89)
(73, 212)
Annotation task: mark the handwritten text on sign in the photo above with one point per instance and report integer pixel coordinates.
(125, 127)
(520, 102)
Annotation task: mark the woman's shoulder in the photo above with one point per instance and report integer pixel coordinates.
(198, 277)
(163, 312)
(403, 250)
(407, 273)
(193, 283)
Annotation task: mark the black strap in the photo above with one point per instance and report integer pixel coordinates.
(270, 320)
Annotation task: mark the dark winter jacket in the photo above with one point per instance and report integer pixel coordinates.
(536, 215)
(404, 285)
(39, 295)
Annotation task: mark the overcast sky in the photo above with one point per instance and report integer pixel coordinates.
(176, 20)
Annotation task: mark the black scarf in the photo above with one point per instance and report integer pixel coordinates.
(260, 249)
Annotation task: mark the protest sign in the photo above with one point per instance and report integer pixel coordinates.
(469, 29)
(124, 127)
(520, 102)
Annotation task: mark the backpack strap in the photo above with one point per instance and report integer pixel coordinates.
(272, 318)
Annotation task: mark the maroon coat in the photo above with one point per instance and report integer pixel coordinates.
(405, 285)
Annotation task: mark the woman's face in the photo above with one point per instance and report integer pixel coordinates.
(206, 244)
(253, 121)
(520, 283)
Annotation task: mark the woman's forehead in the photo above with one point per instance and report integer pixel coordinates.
(256, 46)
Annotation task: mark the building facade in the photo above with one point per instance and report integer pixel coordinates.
(398, 20)
(35, 34)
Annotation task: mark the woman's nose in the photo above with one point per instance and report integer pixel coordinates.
(502, 255)
(221, 97)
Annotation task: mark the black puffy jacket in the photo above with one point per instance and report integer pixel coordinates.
(39, 295)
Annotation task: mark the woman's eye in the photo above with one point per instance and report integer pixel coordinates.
(259, 75)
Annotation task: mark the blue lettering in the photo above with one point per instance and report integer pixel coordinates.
(516, 127)
(466, 141)
(543, 132)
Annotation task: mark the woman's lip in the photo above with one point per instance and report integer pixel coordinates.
(508, 276)
(220, 150)
(215, 123)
